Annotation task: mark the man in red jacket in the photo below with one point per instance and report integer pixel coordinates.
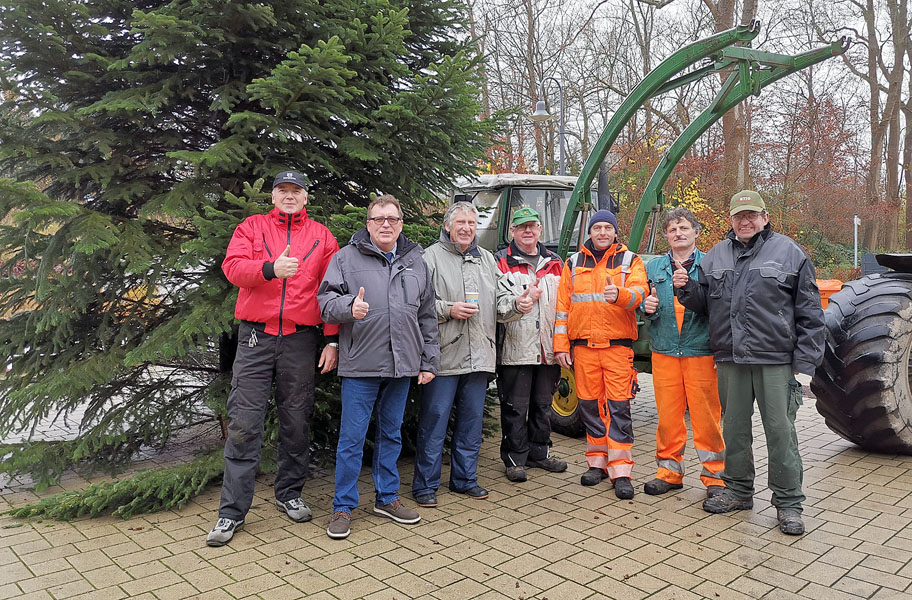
(277, 261)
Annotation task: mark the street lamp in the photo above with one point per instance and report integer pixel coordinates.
(541, 114)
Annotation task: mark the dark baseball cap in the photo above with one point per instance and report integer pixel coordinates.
(291, 177)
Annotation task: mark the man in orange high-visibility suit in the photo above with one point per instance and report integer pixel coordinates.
(600, 289)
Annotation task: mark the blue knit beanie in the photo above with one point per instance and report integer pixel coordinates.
(603, 216)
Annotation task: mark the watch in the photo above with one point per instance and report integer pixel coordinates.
(333, 344)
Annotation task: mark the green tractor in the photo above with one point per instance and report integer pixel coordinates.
(564, 202)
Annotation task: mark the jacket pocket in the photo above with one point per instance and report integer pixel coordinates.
(716, 284)
(411, 290)
(774, 278)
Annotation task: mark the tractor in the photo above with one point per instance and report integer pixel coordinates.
(564, 202)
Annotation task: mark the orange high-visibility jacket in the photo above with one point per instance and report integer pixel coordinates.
(583, 315)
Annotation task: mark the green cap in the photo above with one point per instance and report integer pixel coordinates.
(525, 215)
(746, 200)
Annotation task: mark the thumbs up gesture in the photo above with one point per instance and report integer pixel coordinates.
(525, 302)
(680, 277)
(611, 292)
(359, 306)
(651, 303)
(535, 292)
(285, 266)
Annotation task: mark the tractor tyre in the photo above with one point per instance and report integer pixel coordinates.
(862, 386)
(565, 414)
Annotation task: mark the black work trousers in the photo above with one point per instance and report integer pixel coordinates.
(526, 393)
(288, 361)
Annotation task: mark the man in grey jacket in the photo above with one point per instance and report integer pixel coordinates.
(765, 326)
(379, 290)
(465, 281)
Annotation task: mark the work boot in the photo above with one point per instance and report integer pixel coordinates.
(223, 531)
(714, 490)
(593, 476)
(339, 525)
(550, 464)
(657, 487)
(726, 501)
(790, 522)
(623, 489)
(475, 493)
(516, 474)
(428, 500)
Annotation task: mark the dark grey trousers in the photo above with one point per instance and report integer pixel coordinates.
(526, 393)
(289, 361)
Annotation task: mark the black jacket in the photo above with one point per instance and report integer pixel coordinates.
(762, 301)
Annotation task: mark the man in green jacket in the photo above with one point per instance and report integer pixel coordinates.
(683, 371)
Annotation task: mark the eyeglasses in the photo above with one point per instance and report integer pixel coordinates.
(746, 215)
(381, 220)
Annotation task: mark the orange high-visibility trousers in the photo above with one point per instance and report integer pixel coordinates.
(680, 383)
(604, 384)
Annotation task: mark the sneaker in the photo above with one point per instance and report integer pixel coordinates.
(714, 490)
(593, 476)
(428, 500)
(339, 525)
(296, 509)
(790, 522)
(551, 464)
(657, 487)
(476, 493)
(623, 489)
(396, 511)
(725, 502)
(516, 474)
(223, 531)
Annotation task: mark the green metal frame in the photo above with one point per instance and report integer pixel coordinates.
(755, 70)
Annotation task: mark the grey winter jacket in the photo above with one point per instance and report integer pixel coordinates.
(466, 345)
(398, 337)
(762, 301)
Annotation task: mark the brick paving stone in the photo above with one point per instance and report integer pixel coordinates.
(819, 592)
(894, 582)
(615, 589)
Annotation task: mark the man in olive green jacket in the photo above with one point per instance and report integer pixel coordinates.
(465, 286)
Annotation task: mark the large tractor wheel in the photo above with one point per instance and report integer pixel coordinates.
(862, 387)
(565, 414)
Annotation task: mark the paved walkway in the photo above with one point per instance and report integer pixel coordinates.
(548, 538)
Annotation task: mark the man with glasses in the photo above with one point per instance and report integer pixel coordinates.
(379, 290)
(765, 326)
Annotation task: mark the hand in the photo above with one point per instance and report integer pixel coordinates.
(535, 292)
(359, 306)
(611, 293)
(525, 302)
(680, 277)
(425, 377)
(463, 310)
(329, 358)
(564, 359)
(285, 266)
(652, 302)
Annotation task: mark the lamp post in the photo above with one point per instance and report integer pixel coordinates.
(541, 114)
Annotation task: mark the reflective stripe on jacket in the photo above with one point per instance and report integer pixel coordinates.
(583, 315)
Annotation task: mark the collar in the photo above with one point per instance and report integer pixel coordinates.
(282, 218)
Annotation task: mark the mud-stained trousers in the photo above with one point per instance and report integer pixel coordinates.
(526, 393)
(605, 380)
(289, 361)
(687, 383)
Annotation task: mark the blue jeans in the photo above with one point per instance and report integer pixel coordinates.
(467, 393)
(360, 395)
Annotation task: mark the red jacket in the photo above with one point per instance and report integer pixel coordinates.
(279, 303)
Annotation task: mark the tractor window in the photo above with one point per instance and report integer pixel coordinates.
(486, 203)
(551, 205)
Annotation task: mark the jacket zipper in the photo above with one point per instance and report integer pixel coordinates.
(285, 280)
(268, 251)
(314, 247)
(404, 292)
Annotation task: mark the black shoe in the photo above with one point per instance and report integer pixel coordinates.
(516, 474)
(790, 522)
(550, 464)
(657, 487)
(714, 490)
(593, 476)
(725, 502)
(623, 489)
(476, 493)
(428, 500)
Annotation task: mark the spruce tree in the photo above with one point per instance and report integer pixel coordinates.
(134, 136)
